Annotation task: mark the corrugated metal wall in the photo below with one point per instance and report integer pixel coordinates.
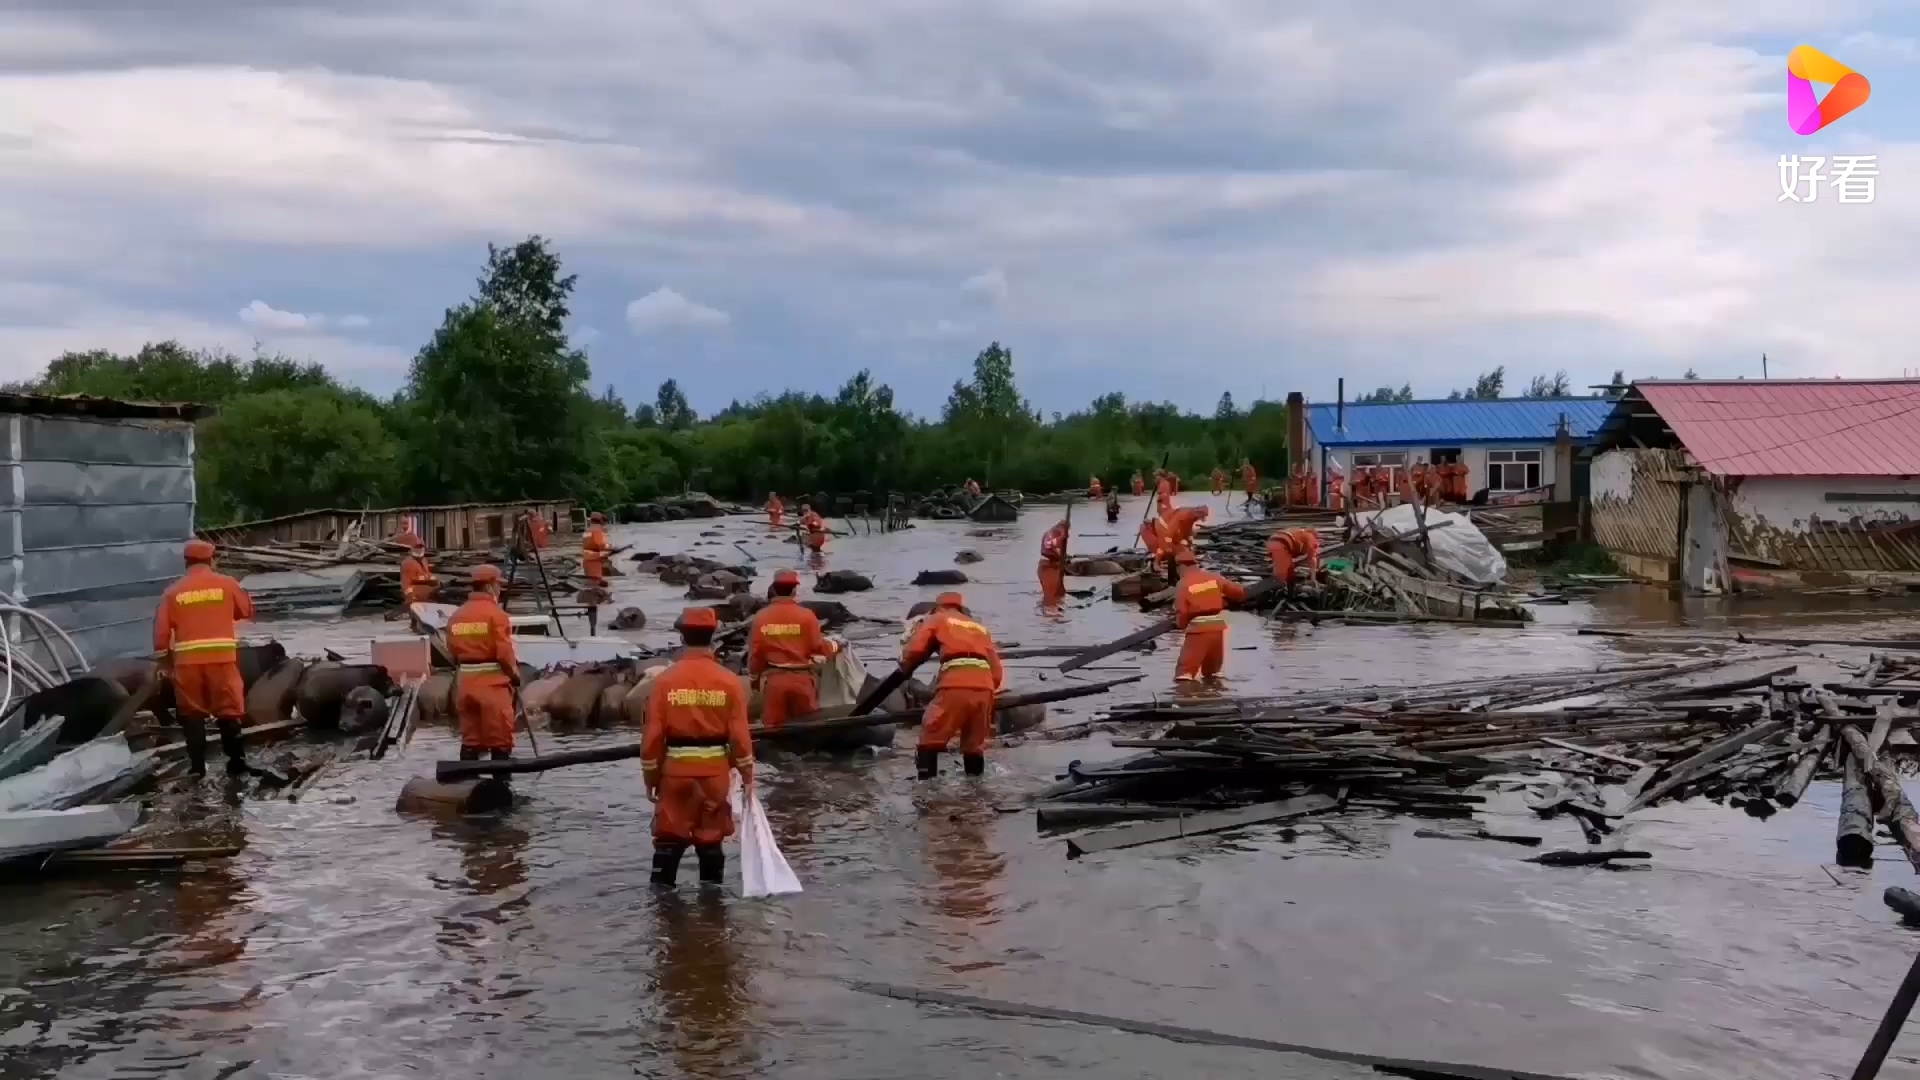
(1636, 509)
(444, 528)
(95, 513)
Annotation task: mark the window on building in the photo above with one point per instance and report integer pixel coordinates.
(1395, 463)
(1444, 455)
(439, 537)
(1513, 470)
(494, 528)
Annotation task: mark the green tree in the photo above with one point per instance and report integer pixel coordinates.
(1556, 385)
(1488, 387)
(286, 450)
(670, 408)
(1386, 395)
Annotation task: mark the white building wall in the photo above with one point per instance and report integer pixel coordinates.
(1474, 457)
(1789, 502)
(1790, 520)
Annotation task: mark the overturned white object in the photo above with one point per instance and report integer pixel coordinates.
(1460, 547)
(763, 870)
(78, 770)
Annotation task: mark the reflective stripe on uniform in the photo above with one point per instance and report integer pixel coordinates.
(205, 644)
(808, 668)
(1197, 619)
(479, 669)
(696, 753)
(967, 662)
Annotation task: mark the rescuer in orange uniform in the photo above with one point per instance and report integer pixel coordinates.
(1094, 490)
(417, 583)
(696, 731)
(1219, 479)
(1139, 484)
(814, 526)
(1163, 490)
(1053, 562)
(970, 674)
(1336, 495)
(536, 529)
(195, 627)
(1199, 609)
(776, 510)
(1153, 537)
(595, 550)
(1249, 478)
(481, 639)
(781, 647)
(1292, 550)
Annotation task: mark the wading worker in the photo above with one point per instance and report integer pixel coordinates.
(970, 673)
(480, 636)
(776, 510)
(594, 551)
(196, 630)
(1199, 611)
(1053, 563)
(696, 732)
(814, 526)
(417, 583)
(1294, 551)
(782, 646)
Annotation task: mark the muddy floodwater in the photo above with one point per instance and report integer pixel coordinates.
(350, 941)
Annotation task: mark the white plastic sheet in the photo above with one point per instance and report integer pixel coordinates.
(763, 870)
(75, 771)
(1460, 547)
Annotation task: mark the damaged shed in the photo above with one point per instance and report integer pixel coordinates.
(1818, 480)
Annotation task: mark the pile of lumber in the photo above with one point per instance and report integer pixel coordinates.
(365, 574)
(1629, 737)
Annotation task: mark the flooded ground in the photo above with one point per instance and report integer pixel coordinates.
(349, 941)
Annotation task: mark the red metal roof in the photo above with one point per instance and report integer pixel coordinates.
(1800, 427)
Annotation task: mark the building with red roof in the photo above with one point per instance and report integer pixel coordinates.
(1703, 482)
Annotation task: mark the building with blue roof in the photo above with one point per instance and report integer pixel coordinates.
(1506, 444)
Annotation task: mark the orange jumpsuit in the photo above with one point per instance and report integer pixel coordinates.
(1094, 490)
(1199, 609)
(781, 645)
(481, 639)
(1163, 494)
(1293, 545)
(195, 622)
(696, 733)
(970, 673)
(1053, 564)
(815, 527)
(1179, 525)
(776, 511)
(1153, 537)
(1336, 497)
(417, 583)
(594, 551)
(537, 531)
(1250, 480)
(1219, 479)
(1139, 486)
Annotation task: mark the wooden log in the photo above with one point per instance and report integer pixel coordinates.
(1901, 819)
(1141, 637)
(1797, 780)
(450, 771)
(1591, 752)
(1716, 689)
(1152, 832)
(1690, 769)
(1904, 901)
(473, 796)
(1479, 834)
(1586, 858)
(1853, 841)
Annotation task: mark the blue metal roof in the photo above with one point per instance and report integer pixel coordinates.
(1451, 423)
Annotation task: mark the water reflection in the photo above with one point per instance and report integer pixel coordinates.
(700, 981)
(493, 872)
(966, 867)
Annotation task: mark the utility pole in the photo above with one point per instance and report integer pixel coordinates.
(1763, 365)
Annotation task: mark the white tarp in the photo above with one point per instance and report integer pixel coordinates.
(1459, 547)
(763, 870)
(74, 772)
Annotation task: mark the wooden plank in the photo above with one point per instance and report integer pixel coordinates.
(1153, 832)
(1591, 752)
(1686, 771)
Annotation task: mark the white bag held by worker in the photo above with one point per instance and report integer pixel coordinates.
(763, 870)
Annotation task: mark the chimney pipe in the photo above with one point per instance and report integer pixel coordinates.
(1340, 406)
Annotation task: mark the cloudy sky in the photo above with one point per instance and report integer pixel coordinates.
(1168, 200)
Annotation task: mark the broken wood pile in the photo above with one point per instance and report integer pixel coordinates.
(365, 574)
(1364, 576)
(1751, 741)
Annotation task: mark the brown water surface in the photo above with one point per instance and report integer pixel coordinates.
(349, 941)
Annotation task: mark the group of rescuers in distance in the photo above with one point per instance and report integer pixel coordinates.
(696, 730)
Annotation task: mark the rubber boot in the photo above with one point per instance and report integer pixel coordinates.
(928, 762)
(713, 863)
(666, 864)
(236, 751)
(974, 764)
(195, 734)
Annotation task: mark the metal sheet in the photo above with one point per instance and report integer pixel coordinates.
(55, 439)
(1452, 423)
(51, 528)
(61, 482)
(1823, 427)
